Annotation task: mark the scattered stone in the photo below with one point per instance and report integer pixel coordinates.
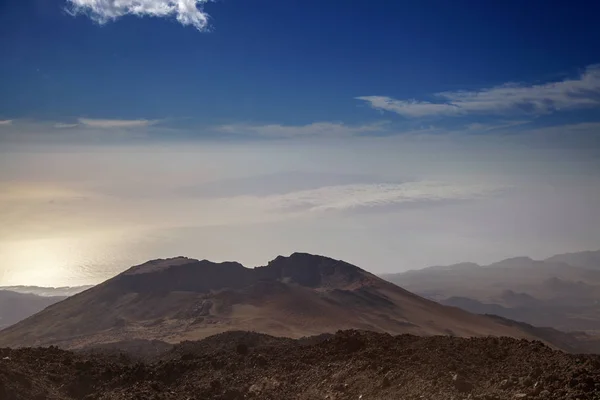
(526, 381)
(341, 387)
(461, 384)
(385, 367)
(255, 389)
(505, 384)
(537, 388)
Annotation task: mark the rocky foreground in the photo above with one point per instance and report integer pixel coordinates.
(347, 365)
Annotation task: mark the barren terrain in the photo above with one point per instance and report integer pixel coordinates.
(348, 365)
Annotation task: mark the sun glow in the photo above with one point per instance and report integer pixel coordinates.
(40, 262)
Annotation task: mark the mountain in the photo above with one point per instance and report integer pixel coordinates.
(63, 291)
(15, 307)
(562, 291)
(584, 259)
(184, 299)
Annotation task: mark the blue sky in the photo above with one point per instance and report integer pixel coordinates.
(296, 63)
(391, 134)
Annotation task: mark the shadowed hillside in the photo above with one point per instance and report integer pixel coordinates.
(15, 307)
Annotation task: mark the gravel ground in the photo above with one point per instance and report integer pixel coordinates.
(347, 365)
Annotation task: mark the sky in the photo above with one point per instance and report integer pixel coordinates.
(392, 134)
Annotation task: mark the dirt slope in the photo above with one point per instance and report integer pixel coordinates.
(301, 295)
(349, 365)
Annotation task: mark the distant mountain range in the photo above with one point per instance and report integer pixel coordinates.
(17, 306)
(184, 299)
(562, 291)
(20, 302)
(63, 291)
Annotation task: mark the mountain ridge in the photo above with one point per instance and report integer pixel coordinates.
(185, 299)
(549, 292)
(15, 306)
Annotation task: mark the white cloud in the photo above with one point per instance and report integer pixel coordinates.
(318, 129)
(115, 123)
(355, 196)
(569, 94)
(83, 130)
(410, 108)
(61, 125)
(187, 12)
(6, 122)
(477, 126)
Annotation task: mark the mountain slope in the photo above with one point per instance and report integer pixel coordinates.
(184, 299)
(552, 292)
(583, 259)
(17, 306)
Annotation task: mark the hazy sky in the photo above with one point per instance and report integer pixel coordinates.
(391, 135)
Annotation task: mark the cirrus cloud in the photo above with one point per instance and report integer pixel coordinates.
(187, 12)
(375, 196)
(317, 129)
(116, 123)
(569, 94)
(63, 125)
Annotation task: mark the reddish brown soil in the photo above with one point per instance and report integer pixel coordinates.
(348, 365)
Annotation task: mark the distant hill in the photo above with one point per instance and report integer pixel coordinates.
(584, 259)
(15, 307)
(63, 291)
(562, 291)
(184, 299)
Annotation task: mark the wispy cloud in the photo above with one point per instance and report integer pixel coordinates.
(62, 125)
(582, 135)
(411, 108)
(115, 123)
(82, 130)
(317, 129)
(6, 122)
(569, 94)
(477, 126)
(187, 12)
(371, 196)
